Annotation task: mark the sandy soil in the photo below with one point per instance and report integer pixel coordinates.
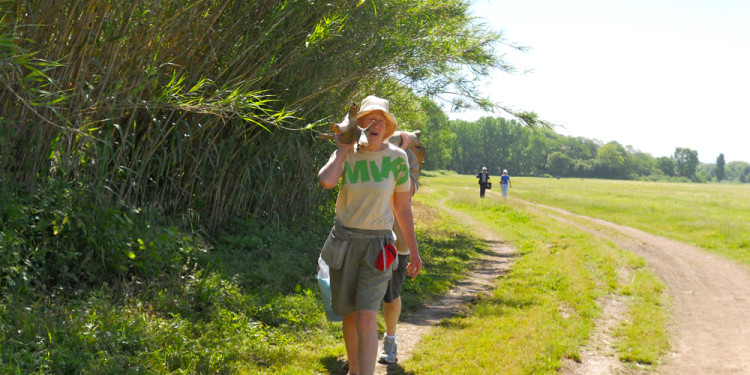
(710, 326)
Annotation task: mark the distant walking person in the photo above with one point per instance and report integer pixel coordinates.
(505, 183)
(484, 180)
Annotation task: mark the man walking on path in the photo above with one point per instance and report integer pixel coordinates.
(392, 299)
(484, 180)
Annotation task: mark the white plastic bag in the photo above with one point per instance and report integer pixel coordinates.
(324, 282)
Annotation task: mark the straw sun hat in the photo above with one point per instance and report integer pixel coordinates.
(373, 103)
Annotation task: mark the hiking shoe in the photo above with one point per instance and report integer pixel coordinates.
(388, 356)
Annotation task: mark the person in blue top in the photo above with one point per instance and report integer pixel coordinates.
(505, 183)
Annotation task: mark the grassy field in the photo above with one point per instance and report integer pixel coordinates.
(544, 309)
(715, 217)
(250, 303)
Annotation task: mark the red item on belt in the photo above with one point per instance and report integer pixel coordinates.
(386, 257)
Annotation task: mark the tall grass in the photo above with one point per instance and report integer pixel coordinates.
(715, 217)
(209, 107)
(157, 104)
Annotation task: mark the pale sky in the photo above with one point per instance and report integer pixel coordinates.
(652, 74)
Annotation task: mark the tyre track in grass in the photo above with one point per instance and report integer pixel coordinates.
(598, 356)
(710, 311)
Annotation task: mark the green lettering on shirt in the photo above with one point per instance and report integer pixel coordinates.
(360, 169)
(378, 175)
(396, 167)
(360, 172)
(403, 172)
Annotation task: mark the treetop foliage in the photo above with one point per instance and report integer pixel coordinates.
(499, 143)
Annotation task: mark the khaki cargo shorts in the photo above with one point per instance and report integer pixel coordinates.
(359, 284)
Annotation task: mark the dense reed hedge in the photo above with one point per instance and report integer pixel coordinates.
(209, 108)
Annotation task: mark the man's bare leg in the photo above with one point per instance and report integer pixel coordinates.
(391, 313)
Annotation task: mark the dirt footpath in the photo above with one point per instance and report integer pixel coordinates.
(710, 312)
(482, 280)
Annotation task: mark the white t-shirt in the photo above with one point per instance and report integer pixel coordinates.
(371, 178)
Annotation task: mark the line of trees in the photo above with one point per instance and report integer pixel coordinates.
(499, 143)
